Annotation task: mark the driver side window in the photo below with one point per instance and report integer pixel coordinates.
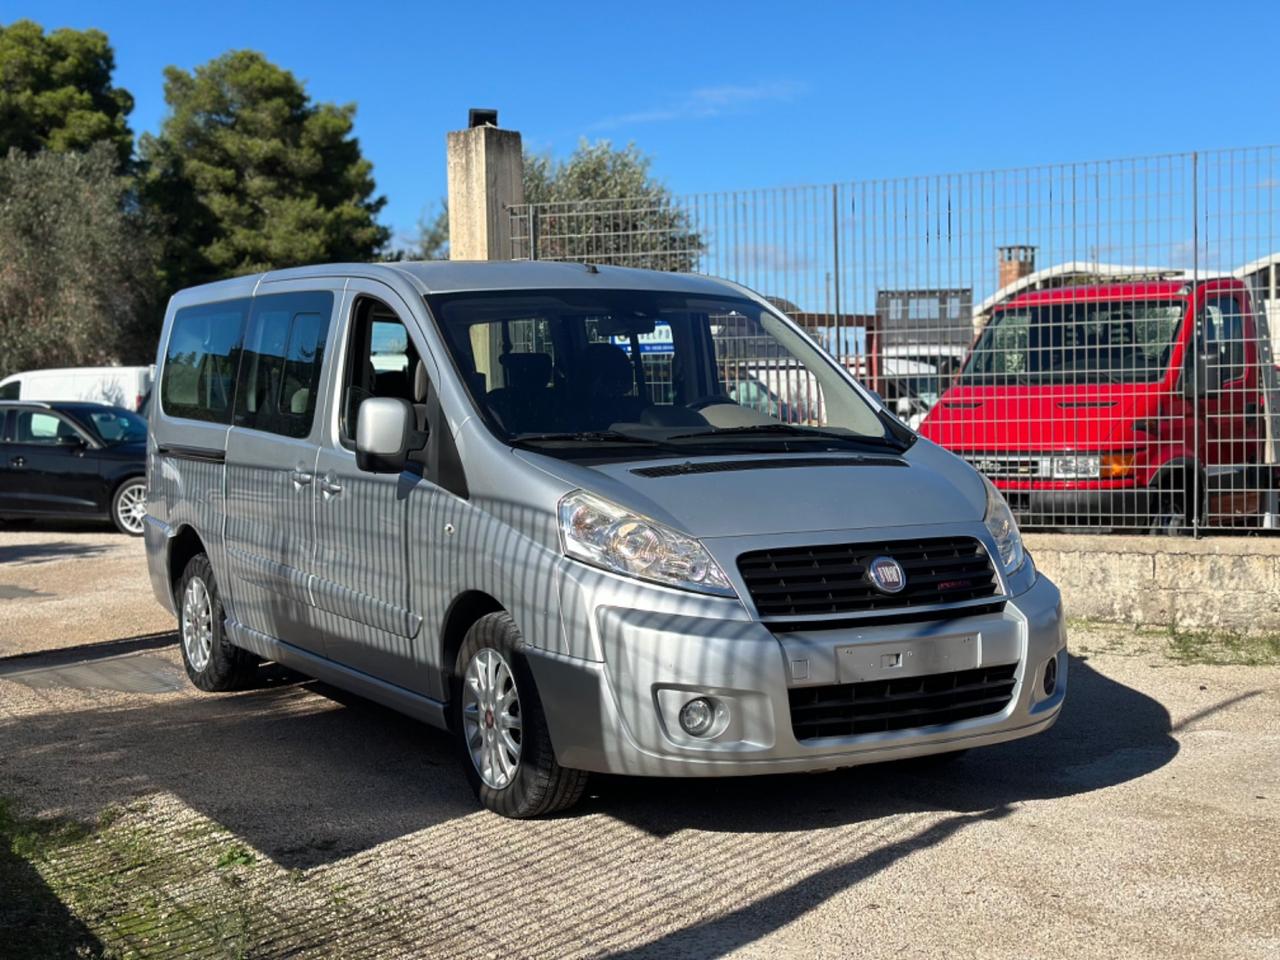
(381, 362)
(1222, 326)
(49, 429)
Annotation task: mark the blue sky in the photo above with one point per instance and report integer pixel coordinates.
(736, 95)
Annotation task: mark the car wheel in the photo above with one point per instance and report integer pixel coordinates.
(129, 506)
(500, 729)
(212, 663)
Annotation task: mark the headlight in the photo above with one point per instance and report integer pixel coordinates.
(1077, 466)
(606, 535)
(1003, 529)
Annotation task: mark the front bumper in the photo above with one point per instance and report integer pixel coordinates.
(619, 715)
(1127, 506)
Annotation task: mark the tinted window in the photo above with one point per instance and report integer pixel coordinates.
(118, 426)
(11, 391)
(1223, 327)
(280, 370)
(31, 426)
(198, 381)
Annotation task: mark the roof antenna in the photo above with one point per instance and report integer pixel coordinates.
(591, 268)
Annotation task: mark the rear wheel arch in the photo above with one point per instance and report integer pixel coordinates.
(184, 545)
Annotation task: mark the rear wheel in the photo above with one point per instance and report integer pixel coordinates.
(212, 663)
(129, 506)
(500, 729)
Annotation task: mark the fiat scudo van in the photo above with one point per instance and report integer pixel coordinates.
(530, 504)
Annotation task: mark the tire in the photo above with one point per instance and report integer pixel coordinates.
(212, 663)
(520, 783)
(129, 506)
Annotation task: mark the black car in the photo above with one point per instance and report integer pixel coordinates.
(73, 460)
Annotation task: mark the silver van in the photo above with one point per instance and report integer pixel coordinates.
(521, 502)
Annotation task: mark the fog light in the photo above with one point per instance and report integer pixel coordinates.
(697, 717)
(1051, 676)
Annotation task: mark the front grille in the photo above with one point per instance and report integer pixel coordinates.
(876, 706)
(1005, 466)
(803, 581)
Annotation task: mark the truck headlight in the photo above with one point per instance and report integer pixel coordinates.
(606, 535)
(1003, 529)
(1077, 466)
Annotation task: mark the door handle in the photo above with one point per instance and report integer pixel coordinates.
(300, 478)
(330, 487)
(18, 462)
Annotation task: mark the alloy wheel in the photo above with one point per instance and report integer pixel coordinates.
(131, 507)
(197, 624)
(491, 718)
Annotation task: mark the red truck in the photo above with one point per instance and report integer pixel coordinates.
(1139, 405)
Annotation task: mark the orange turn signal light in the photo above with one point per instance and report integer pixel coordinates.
(1117, 465)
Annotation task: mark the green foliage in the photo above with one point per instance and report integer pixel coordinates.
(600, 204)
(76, 266)
(638, 226)
(56, 92)
(249, 174)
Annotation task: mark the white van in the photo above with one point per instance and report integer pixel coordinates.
(126, 387)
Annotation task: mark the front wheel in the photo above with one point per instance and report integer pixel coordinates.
(129, 506)
(500, 729)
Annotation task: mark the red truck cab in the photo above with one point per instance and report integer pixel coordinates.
(1137, 405)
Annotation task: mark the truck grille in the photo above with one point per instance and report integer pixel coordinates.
(875, 706)
(1006, 466)
(799, 581)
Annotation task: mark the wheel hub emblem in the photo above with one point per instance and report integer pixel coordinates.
(488, 719)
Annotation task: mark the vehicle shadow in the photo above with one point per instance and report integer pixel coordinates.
(310, 775)
(28, 553)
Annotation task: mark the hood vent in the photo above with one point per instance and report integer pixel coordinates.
(773, 463)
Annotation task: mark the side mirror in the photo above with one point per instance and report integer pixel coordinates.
(1199, 379)
(385, 435)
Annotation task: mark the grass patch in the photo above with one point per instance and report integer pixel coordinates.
(1218, 648)
(1180, 646)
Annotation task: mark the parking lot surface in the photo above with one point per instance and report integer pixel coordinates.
(294, 820)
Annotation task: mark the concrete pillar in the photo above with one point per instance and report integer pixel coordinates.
(486, 177)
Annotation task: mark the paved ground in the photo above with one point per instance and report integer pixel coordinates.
(294, 820)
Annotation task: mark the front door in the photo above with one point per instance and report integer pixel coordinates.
(361, 593)
(49, 467)
(271, 460)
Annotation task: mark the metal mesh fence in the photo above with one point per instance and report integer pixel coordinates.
(1096, 337)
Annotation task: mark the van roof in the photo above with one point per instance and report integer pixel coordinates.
(452, 276)
(1147, 290)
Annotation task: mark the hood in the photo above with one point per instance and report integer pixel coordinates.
(995, 419)
(759, 496)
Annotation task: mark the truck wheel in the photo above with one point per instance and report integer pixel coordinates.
(1170, 518)
(129, 506)
(212, 663)
(500, 729)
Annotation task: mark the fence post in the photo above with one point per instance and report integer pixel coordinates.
(486, 179)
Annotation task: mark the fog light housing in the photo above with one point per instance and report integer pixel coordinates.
(698, 717)
(1050, 676)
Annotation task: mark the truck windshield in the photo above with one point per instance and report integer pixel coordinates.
(564, 370)
(1078, 343)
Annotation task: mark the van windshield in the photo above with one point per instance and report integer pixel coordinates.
(565, 370)
(1080, 343)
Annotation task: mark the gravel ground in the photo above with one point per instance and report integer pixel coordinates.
(294, 820)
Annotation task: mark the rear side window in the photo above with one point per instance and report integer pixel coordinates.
(199, 376)
(283, 355)
(11, 391)
(33, 427)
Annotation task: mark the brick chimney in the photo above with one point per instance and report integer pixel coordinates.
(1016, 262)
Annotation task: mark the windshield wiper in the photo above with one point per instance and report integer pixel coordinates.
(787, 429)
(586, 436)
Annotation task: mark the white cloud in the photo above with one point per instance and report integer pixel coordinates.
(707, 102)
